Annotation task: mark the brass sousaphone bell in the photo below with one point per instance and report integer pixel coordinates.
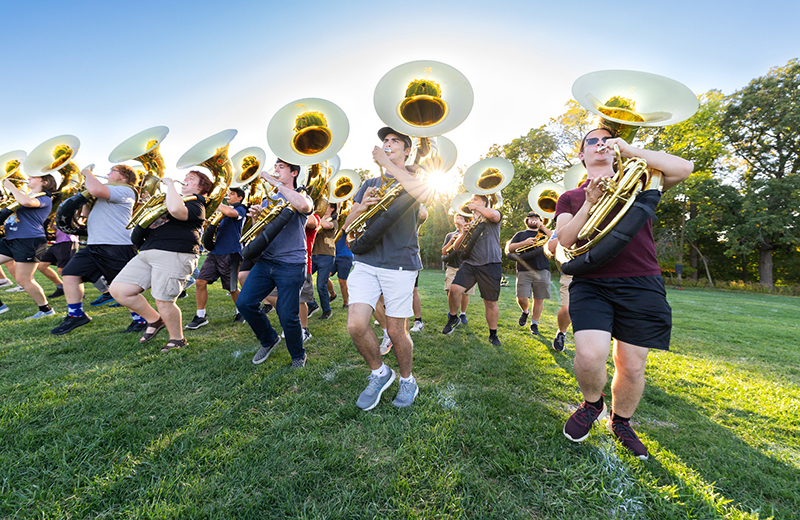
(574, 177)
(212, 153)
(11, 169)
(488, 176)
(144, 148)
(57, 154)
(543, 198)
(459, 204)
(343, 185)
(308, 131)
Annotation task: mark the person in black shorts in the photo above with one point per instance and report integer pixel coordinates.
(108, 248)
(624, 299)
(60, 253)
(533, 270)
(482, 266)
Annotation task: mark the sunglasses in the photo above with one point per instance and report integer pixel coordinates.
(594, 140)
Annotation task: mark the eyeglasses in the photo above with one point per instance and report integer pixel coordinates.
(594, 140)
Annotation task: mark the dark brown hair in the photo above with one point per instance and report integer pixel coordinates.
(131, 177)
(204, 183)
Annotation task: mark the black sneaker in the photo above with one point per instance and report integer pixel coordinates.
(452, 323)
(494, 340)
(264, 352)
(326, 315)
(57, 293)
(239, 318)
(70, 323)
(182, 295)
(266, 308)
(196, 323)
(523, 319)
(312, 308)
(333, 297)
(102, 299)
(624, 433)
(580, 423)
(558, 341)
(135, 326)
(534, 329)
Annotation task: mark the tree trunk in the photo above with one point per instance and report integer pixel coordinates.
(693, 260)
(765, 267)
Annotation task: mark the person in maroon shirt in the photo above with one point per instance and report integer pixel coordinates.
(624, 299)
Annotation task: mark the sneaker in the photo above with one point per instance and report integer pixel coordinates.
(190, 283)
(624, 433)
(463, 318)
(4, 282)
(16, 288)
(534, 329)
(115, 304)
(300, 363)
(580, 423)
(332, 296)
(196, 323)
(182, 295)
(386, 345)
(266, 308)
(59, 292)
(452, 323)
(326, 315)
(102, 299)
(406, 394)
(494, 340)
(418, 326)
(4, 308)
(239, 318)
(370, 397)
(306, 335)
(312, 308)
(42, 314)
(70, 323)
(558, 341)
(264, 352)
(135, 326)
(523, 319)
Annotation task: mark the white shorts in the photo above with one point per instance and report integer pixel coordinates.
(366, 284)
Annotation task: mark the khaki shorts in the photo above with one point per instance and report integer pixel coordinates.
(366, 284)
(448, 279)
(566, 279)
(163, 272)
(534, 282)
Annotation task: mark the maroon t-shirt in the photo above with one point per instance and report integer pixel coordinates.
(638, 258)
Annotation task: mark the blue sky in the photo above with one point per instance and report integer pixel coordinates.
(104, 71)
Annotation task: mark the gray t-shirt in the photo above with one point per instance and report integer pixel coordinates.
(289, 246)
(398, 248)
(487, 250)
(107, 221)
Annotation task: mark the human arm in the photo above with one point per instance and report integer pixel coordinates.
(94, 186)
(228, 211)
(417, 187)
(492, 215)
(175, 204)
(20, 196)
(298, 200)
(675, 169)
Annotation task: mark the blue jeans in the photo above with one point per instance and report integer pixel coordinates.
(288, 278)
(323, 265)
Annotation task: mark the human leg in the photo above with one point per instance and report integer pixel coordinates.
(24, 273)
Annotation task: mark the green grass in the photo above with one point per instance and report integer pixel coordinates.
(94, 425)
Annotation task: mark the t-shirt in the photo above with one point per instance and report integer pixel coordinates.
(289, 245)
(311, 235)
(108, 218)
(29, 222)
(181, 236)
(399, 247)
(456, 262)
(341, 247)
(63, 237)
(638, 258)
(487, 250)
(324, 244)
(532, 259)
(229, 232)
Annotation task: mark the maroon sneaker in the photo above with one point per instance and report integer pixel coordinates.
(580, 423)
(625, 434)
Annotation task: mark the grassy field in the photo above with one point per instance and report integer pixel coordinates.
(93, 425)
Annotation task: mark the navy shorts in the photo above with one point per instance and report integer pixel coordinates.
(486, 276)
(634, 310)
(24, 250)
(342, 267)
(224, 267)
(60, 254)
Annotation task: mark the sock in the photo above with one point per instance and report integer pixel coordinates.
(463, 313)
(492, 332)
(534, 322)
(616, 417)
(75, 310)
(409, 379)
(526, 312)
(385, 333)
(418, 319)
(451, 316)
(45, 308)
(60, 286)
(597, 405)
(138, 319)
(201, 313)
(382, 371)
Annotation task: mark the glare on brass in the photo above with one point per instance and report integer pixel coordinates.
(488, 176)
(459, 204)
(247, 165)
(308, 131)
(440, 157)
(627, 99)
(212, 153)
(53, 154)
(574, 177)
(423, 98)
(144, 148)
(343, 185)
(11, 167)
(543, 197)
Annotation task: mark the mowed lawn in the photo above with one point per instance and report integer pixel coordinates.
(95, 425)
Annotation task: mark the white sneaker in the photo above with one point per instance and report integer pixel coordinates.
(386, 345)
(16, 288)
(42, 314)
(4, 282)
(306, 335)
(418, 326)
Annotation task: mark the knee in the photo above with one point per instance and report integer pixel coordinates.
(201, 284)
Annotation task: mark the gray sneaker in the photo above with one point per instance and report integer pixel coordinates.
(406, 395)
(42, 314)
(370, 397)
(264, 352)
(300, 363)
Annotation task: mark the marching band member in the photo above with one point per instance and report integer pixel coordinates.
(344, 263)
(108, 248)
(624, 299)
(533, 270)
(482, 266)
(25, 241)
(282, 265)
(452, 266)
(562, 317)
(323, 258)
(166, 259)
(389, 268)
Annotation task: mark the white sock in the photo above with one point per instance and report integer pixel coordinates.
(385, 333)
(463, 313)
(382, 371)
(201, 313)
(409, 379)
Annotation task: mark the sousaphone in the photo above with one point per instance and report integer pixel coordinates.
(144, 148)
(574, 177)
(488, 176)
(343, 185)
(57, 154)
(543, 197)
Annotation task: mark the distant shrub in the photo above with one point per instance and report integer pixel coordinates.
(738, 285)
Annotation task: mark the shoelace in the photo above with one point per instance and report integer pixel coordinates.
(587, 414)
(405, 388)
(624, 431)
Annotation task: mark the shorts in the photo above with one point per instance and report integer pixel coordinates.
(307, 291)
(534, 282)
(367, 283)
(163, 272)
(487, 276)
(566, 279)
(224, 267)
(94, 261)
(342, 266)
(633, 310)
(448, 279)
(24, 250)
(60, 254)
